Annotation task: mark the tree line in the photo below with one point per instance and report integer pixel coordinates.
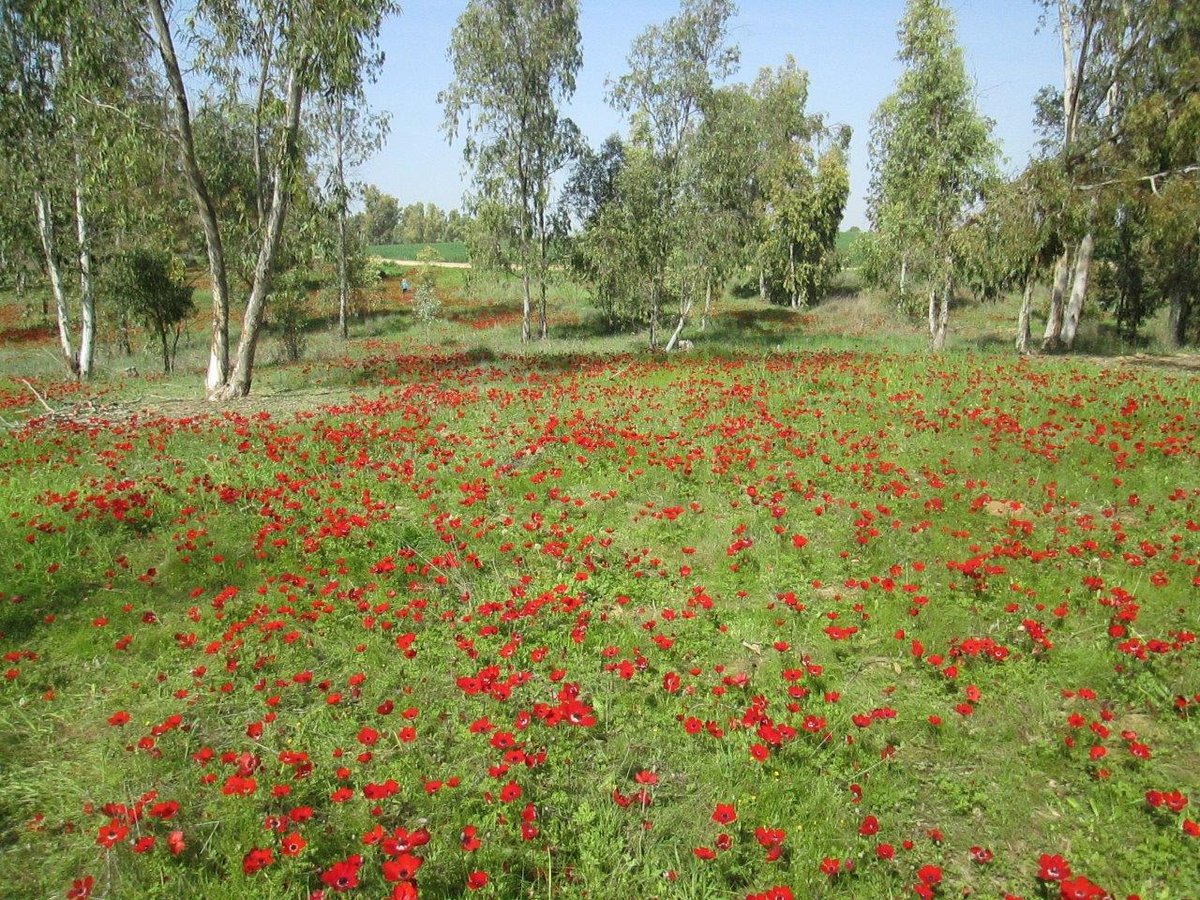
(117, 147)
(1108, 208)
(384, 221)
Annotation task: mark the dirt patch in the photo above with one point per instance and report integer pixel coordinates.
(1003, 508)
(1183, 362)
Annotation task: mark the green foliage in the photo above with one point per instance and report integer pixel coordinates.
(151, 288)
(380, 216)
(454, 251)
(427, 307)
(290, 315)
(514, 64)
(931, 151)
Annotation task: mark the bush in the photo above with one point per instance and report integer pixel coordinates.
(289, 313)
(149, 287)
(427, 307)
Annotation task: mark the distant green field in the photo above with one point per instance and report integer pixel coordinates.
(847, 239)
(450, 252)
(848, 245)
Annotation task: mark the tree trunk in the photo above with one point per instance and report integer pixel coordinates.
(166, 352)
(903, 275)
(795, 292)
(1052, 339)
(218, 357)
(707, 305)
(526, 305)
(343, 274)
(1023, 335)
(943, 317)
(762, 284)
(1083, 268)
(46, 233)
(87, 298)
(242, 375)
(543, 324)
(260, 196)
(932, 312)
(654, 302)
(686, 301)
(1180, 313)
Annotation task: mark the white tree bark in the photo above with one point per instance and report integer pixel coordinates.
(685, 309)
(218, 357)
(340, 175)
(45, 222)
(87, 298)
(1052, 339)
(943, 317)
(1083, 268)
(526, 305)
(1023, 335)
(243, 369)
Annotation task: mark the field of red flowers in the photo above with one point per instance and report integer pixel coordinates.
(802, 625)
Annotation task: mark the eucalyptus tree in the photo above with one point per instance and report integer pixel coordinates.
(1150, 165)
(64, 67)
(348, 133)
(722, 168)
(802, 182)
(515, 63)
(933, 152)
(1012, 242)
(275, 53)
(380, 215)
(673, 69)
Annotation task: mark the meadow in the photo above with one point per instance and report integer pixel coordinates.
(807, 612)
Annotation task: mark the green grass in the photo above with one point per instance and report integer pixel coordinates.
(595, 521)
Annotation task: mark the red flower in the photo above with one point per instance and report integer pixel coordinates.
(293, 844)
(257, 858)
(175, 842)
(981, 855)
(469, 841)
(831, 866)
(112, 833)
(724, 814)
(930, 875)
(403, 868)
(477, 880)
(343, 875)
(1053, 868)
(81, 888)
(1079, 888)
(869, 826)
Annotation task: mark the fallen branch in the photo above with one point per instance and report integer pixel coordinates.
(42, 400)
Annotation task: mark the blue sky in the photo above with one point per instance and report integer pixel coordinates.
(848, 49)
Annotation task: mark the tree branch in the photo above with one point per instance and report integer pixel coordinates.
(1153, 179)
